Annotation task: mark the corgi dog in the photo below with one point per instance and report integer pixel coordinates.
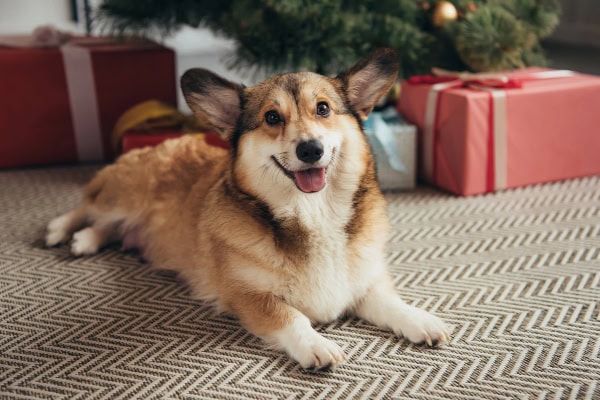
(285, 229)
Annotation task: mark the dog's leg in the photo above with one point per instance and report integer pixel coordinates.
(383, 307)
(91, 239)
(282, 325)
(61, 227)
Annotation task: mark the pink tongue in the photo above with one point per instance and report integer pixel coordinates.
(310, 180)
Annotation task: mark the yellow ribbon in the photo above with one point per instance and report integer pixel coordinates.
(152, 116)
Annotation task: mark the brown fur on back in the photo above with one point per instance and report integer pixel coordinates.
(162, 189)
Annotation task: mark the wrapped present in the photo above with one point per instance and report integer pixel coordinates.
(393, 143)
(480, 133)
(65, 97)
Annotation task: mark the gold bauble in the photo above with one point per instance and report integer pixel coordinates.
(443, 13)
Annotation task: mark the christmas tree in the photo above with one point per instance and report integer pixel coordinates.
(323, 36)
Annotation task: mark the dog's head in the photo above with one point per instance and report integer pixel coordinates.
(293, 131)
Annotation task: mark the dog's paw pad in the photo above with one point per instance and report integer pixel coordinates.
(85, 242)
(423, 328)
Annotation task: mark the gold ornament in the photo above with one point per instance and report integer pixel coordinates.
(443, 13)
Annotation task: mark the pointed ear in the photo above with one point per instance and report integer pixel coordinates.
(214, 100)
(370, 79)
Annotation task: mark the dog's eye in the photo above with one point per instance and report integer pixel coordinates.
(272, 117)
(323, 109)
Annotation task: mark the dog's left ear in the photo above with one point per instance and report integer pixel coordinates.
(213, 99)
(370, 79)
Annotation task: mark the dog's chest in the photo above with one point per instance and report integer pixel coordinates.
(322, 287)
(321, 282)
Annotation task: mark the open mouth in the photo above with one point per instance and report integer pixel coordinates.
(307, 180)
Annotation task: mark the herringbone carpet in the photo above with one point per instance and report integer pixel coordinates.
(516, 273)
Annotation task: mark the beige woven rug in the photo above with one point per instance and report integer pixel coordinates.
(517, 274)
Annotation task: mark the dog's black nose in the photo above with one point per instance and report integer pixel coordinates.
(310, 151)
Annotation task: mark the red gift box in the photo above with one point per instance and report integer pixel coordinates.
(485, 132)
(136, 140)
(64, 101)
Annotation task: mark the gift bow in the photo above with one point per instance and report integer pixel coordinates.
(493, 83)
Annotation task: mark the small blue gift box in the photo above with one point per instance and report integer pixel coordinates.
(394, 145)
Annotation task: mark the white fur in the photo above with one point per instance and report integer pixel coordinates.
(61, 227)
(87, 241)
(306, 346)
(384, 308)
(90, 239)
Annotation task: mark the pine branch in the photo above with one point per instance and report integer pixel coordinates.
(324, 36)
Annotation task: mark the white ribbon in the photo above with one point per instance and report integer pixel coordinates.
(79, 73)
(499, 127)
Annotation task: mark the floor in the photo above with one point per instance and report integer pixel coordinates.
(516, 273)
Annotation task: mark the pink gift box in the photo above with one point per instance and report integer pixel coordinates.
(546, 130)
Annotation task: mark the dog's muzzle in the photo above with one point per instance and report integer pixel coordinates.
(311, 179)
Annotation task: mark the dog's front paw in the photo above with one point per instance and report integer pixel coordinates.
(318, 354)
(421, 327)
(57, 232)
(54, 238)
(86, 242)
(311, 350)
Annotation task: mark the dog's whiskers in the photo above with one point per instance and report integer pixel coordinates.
(335, 156)
(282, 158)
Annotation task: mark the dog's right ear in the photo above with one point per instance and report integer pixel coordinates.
(214, 100)
(370, 79)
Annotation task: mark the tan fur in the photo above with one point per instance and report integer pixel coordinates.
(237, 228)
(261, 313)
